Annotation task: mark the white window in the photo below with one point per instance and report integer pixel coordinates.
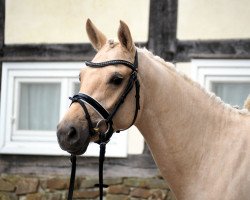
(34, 96)
(228, 79)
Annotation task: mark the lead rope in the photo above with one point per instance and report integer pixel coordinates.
(101, 161)
(72, 177)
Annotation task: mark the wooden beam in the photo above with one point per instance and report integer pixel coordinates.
(2, 22)
(228, 49)
(162, 28)
(2, 25)
(49, 52)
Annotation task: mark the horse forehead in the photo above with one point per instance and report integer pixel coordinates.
(104, 72)
(111, 53)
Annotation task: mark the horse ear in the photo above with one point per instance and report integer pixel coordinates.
(124, 37)
(97, 38)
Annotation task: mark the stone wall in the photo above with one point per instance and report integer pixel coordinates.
(31, 187)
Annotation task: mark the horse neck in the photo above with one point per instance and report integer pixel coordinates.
(178, 120)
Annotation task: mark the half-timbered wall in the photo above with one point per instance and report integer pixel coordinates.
(178, 31)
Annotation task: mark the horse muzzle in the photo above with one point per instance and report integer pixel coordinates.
(72, 139)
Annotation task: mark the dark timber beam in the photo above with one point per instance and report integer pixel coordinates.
(2, 21)
(228, 49)
(2, 25)
(162, 28)
(49, 52)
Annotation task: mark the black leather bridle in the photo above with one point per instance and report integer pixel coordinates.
(107, 116)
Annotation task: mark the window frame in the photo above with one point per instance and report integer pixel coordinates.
(207, 71)
(67, 74)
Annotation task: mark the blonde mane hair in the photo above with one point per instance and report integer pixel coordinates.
(247, 103)
(209, 94)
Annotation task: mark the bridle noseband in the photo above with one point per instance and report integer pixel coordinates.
(107, 116)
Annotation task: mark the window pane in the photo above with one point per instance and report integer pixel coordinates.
(231, 92)
(39, 106)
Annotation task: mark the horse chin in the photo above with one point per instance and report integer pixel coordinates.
(79, 150)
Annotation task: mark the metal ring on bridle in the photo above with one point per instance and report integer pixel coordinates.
(107, 124)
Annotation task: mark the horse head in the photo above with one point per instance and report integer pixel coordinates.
(106, 81)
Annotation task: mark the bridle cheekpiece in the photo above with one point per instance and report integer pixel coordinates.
(104, 138)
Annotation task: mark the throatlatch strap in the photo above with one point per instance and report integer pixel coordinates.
(72, 177)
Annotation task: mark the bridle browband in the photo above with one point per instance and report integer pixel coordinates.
(107, 116)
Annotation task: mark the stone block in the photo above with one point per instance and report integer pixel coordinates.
(26, 186)
(53, 196)
(91, 194)
(7, 196)
(6, 186)
(118, 189)
(89, 182)
(158, 195)
(57, 183)
(140, 193)
(35, 196)
(44, 196)
(12, 178)
(152, 183)
(113, 181)
(117, 197)
(156, 183)
(136, 182)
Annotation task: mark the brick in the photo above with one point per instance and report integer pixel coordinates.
(57, 184)
(26, 186)
(118, 189)
(117, 197)
(140, 193)
(6, 186)
(85, 194)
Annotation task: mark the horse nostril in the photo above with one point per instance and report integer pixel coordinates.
(72, 133)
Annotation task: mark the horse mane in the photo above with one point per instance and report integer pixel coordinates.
(209, 94)
(247, 103)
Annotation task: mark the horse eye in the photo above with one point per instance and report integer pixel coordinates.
(79, 77)
(116, 79)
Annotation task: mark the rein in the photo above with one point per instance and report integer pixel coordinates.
(107, 116)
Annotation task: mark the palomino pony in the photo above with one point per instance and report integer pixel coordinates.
(200, 144)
